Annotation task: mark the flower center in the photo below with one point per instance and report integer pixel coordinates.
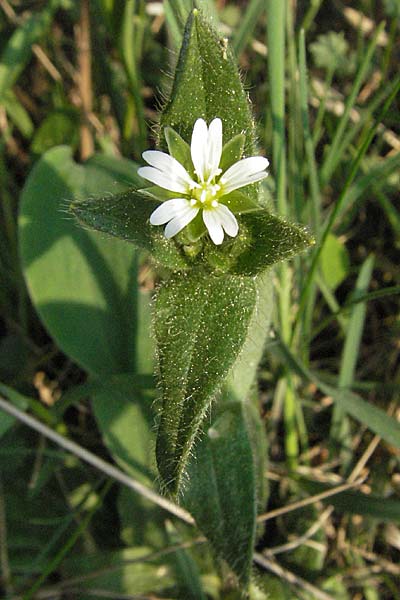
(205, 195)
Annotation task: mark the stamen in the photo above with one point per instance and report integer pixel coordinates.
(193, 202)
(214, 203)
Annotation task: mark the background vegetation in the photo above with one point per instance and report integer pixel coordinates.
(80, 87)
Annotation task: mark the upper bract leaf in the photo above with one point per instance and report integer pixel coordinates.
(264, 239)
(126, 216)
(207, 84)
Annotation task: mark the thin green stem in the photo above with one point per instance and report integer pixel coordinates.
(247, 25)
(276, 25)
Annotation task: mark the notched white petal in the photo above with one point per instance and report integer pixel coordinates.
(172, 170)
(163, 180)
(214, 227)
(214, 148)
(227, 220)
(169, 210)
(244, 172)
(199, 148)
(180, 221)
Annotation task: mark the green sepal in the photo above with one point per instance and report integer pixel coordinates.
(194, 231)
(207, 84)
(158, 193)
(198, 336)
(126, 216)
(239, 203)
(232, 151)
(179, 149)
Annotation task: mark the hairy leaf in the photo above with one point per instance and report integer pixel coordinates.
(207, 84)
(221, 488)
(201, 323)
(126, 216)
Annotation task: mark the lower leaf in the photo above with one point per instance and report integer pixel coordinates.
(221, 493)
(200, 324)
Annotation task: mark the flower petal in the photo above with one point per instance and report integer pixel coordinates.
(244, 172)
(174, 176)
(199, 148)
(227, 220)
(180, 221)
(163, 180)
(213, 224)
(169, 210)
(214, 148)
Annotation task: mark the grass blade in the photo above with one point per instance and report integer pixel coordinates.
(339, 428)
(329, 162)
(342, 201)
(244, 33)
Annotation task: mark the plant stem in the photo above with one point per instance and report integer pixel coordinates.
(85, 80)
(276, 26)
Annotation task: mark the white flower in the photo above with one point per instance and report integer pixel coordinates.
(206, 190)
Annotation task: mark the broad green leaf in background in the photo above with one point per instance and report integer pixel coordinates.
(221, 488)
(85, 289)
(334, 261)
(59, 127)
(123, 412)
(201, 323)
(83, 285)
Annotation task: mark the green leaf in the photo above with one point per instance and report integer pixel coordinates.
(60, 127)
(179, 149)
(220, 491)
(129, 571)
(373, 417)
(126, 216)
(187, 573)
(331, 51)
(142, 522)
(20, 401)
(207, 85)
(18, 49)
(83, 285)
(383, 509)
(18, 114)
(232, 151)
(334, 261)
(264, 239)
(199, 337)
(122, 407)
(243, 373)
